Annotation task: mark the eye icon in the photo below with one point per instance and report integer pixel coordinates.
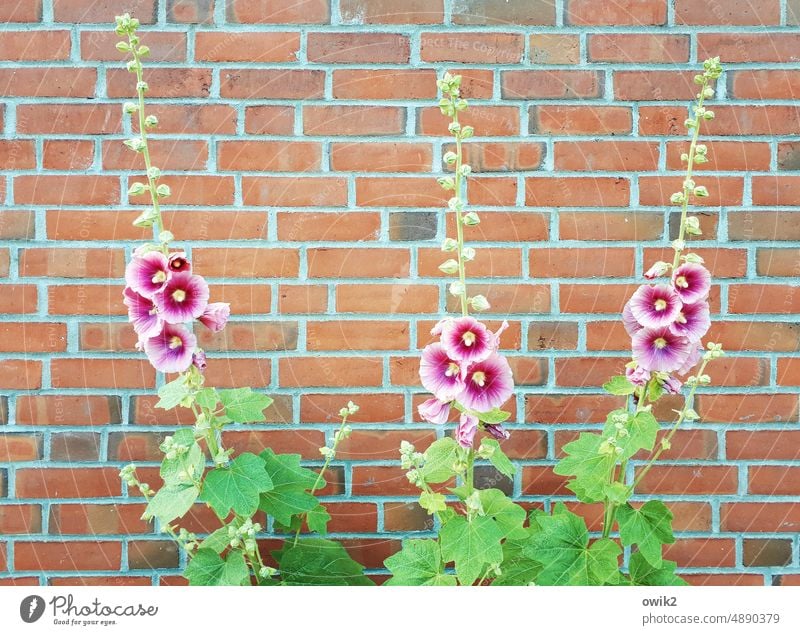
(31, 608)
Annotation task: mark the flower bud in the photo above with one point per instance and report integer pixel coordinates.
(467, 132)
(701, 191)
(142, 87)
(123, 47)
(468, 254)
(449, 266)
(709, 115)
(694, 258)
(162, 191)
(166, 236)
(471, 218)
(136, 144)
(454, 127)
(479, 303)
(684, 157)
(449, 158)
(129, 108)
(151, 121)
(143, 51)
(446, 182)
(137, 189)
(466, 169)
(677, 198)
(449, 244)
(708, 92)
(146, 218)
(352, 407)
(456, 288)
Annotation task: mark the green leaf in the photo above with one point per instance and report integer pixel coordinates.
(319, 562)
(207, 398)
(562, 548)
(173, 393)
(238, 486)
(642, 429)
(185, 468)
(244, 405)
(432, 502)
(589, 467)
(171, 502)
(517, 569)
(619, 385)
(207, 568)
(492, 417)
(439, 460)
(290, 481)
(498, 458)
(509, 516)
(617, 493)
(648, 527)
(219, 540)
(654, 391)
(318, 519)
(471, 544)
(642, 573)
(418, 563)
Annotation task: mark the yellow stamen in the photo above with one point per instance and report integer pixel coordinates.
(175, 342)
(159, 277)
(660, 305)
(660, 342)
(681, 282)
(479, 378)
(681, 319)
(179, 295)
(469, 338)
(452, 370)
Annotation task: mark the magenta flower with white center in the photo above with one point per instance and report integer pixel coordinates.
(638, 376)
(434, 411)
(693, 321)
(171, 351)
(497, 431)
(488, 384)
(628, 321)
(467, 340)
(655, 306)
(215, 316)
(184, 298)
(440, 374)
(692, 282)
(147, 274)
(179, 263)
(465, 432)
(142, 313)
(660, 349)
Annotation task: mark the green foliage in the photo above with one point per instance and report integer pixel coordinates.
(497, 457)
(319, 562)
(173, 393)
(288, 495)
(641, 427)
(171, 502)
(418, 563)
(588, 466)
(509, 516)
(647, 527)
(208, 568)
(473, 544)
(440, 457)
(642, 573)
(244, 405)
(238, 486)
(317, 519)
(619, 385)
(432, 502)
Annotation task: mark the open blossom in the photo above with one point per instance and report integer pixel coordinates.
(467, 340)
(440, 374)
(465, 432)
(215, 316)
(638, 376)
(660, 349)
(147, 274)
(183, 298)
(171, 351)
(143, 314)
(488, 384)
(693, 321)
(628, 321)
(691, 360)
(655, 306)
(434, 411)
(692, 282)
(179, 263)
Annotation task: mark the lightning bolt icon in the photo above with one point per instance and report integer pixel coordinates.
(32, 607)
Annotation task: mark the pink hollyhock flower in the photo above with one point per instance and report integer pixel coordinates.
(628, 321)
(638, 376)
(692, 282)
(498, 333)
(199, 360)
(215, 316)
(497, 431)
(693, 321)
(488, 384)
(147, 274)
(671, 385)
(660, 349)
(655, 306)
(658, 269)
(465, 432)
(436, 331)
(434, 411)
(171, 350)
(691, 361)
(179, 263)
(142, 313)
(183, 298)
(467, 340)
(440, 374)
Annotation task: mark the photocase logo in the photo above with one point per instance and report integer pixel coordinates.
(31, 608)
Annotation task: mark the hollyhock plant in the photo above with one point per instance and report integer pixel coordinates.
(693, 321)
(488, 384)
(660, 349)
(467, 340)
(692, 282)
(654, 306)
(164, 297)
(440, 374)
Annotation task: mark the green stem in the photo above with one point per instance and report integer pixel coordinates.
(462, 274)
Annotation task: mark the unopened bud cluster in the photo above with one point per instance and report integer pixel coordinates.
(619, 432)
(244, 536)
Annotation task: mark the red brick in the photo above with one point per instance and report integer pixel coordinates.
(66, 190)
(48, 82)
(328, 226)
(373, 408)
(249, 336)
(702, 552)
(269, 156)
(69, 154)
(165, 46)
(353, 120)
(587, 371)
(391, 11)
(227, 372)
(749, 47)
(764, 225)
(88, 299)
(510, 226)
(766, 84)
(773, 480)
(590, 156)
(746, 156)
(21, 11)
(67, 556)
(21, 374)
(353, 517)
(706, 479)
(663, 120)
(581, 262)
(379, 480)
(325, 262)
(178, 154)
(382, 157)
(776, 190)
(384, 84)
(98, 518)
(278, 11)
(381, 445)
(33, 337)
(20, 519)
(303, 442)
(762, 445)
(399, 192)
(552, 335)
(495, 262)
(476, 83)
(72, 263)
(654, 85)
(472, 47)
(722, 190)
(386, 298)
(580, 120)
(330, 371)
(17, 225)
(755, 336)
(163, 82)
(638, 48)
(102, 11)
(239, 46)
(622, 12)
(556, 84)
(26, 46)
(750, 517)
(580, 191)
(294, 191)
(555, 48)
(101, 373)
(488, 121)
(723, 263)
(637, 226)
(510, 298)
(753, 119)
(18, 298)
(789, 371)
(193, 119)
(488, 156)
(510, 12)
(747, 408)
(569, 408)
(302, 299)
(728, 12)
(269, 120)
(360, 48)
(251, 83)
(20, 447)
(71, 410)
(67, 482)
(539, 480)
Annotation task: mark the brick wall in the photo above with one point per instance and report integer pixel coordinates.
(299, 137)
